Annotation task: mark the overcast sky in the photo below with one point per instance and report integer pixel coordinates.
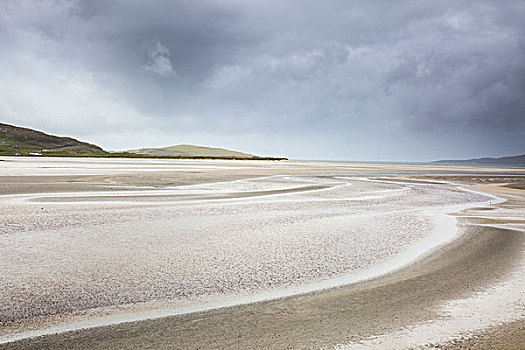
(347, 80)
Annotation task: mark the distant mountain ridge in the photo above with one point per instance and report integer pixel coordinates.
(191, 151)
(511, 160)
(15, 140)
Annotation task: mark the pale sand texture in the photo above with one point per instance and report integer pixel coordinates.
(509, 336)
(138, 242)
(318, 319)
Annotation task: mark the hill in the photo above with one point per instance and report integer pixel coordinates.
(191, 151)
(512, 161)
(15, 140)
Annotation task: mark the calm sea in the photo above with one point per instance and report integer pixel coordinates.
(405, 163)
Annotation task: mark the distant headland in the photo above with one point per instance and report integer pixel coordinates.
(508, 161)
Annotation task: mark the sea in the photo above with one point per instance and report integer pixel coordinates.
(406, 163)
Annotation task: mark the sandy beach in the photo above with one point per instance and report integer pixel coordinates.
(181, 254)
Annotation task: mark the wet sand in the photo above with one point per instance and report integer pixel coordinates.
(509, 336)
(481, 257)
(319, 319)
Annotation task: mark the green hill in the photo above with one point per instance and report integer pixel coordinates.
(191, 151)
(22, 141)
(15, 140)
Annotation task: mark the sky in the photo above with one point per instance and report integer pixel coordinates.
(341, 80)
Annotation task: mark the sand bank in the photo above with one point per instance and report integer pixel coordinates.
(322, 319)
(339, 227)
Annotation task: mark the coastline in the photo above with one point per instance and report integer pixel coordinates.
(357, 290)
(445, 231)
(320, 318)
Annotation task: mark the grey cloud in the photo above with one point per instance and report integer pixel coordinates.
(160, 62)
(320, 79)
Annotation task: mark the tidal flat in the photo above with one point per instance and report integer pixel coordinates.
(130, 253)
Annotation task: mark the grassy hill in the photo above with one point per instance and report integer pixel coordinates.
(191, 151)
(21, 141)
(15, 141)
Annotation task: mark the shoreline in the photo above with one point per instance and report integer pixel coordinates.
(479, 223)
(328, 311)
(445, 232)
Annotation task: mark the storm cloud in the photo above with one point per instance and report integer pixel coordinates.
(357, 80)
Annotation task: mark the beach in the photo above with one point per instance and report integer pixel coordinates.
(197, 254)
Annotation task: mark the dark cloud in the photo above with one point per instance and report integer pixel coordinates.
(317, 79)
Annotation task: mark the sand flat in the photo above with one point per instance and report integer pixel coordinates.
(155, 241)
